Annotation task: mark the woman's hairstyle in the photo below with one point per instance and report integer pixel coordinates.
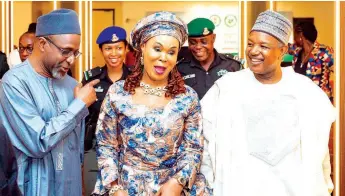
(130, 48)
(308, 30)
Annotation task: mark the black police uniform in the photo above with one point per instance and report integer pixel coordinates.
(109, 35)
(201, 80)
(101, 89)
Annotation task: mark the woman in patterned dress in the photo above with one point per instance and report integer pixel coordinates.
(149, 132)
(312, 59)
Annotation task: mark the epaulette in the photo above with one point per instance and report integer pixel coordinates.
(238, 59)
(92, 73)
(183, 61)
(235, 58)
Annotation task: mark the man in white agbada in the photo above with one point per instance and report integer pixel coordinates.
(268, 134)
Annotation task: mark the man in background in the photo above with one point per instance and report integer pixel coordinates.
(201, 69)
(26, 45)
(26, 40)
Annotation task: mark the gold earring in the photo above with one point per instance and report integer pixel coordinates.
(142, 60)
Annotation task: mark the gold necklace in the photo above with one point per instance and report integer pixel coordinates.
(158, 91)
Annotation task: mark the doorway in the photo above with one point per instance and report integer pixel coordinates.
(101, 19)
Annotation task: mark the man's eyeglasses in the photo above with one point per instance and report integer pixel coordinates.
(28, 49)
(65, 53)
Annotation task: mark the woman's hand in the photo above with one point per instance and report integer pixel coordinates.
(120, 193)
(170, 188)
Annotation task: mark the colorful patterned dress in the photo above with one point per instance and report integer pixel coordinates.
(143, 148)
(320, 66)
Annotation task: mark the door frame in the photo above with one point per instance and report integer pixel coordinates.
(112, 22)
(341, 106)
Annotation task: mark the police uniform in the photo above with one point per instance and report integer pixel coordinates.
(193, 73)
(111, 34)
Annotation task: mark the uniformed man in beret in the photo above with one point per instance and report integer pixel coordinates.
(206, 65)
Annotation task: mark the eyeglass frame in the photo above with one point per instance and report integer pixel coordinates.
(70, 53)
(28, 49)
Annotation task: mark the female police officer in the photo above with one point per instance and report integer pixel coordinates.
(112, 44)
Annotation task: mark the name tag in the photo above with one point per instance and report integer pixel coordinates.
(189, 76)
(99, 89)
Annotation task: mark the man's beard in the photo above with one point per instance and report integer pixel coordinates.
(56, 74)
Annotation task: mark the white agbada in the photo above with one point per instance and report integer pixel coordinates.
(267, 140)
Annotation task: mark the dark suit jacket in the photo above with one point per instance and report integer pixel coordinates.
(3, 64)
(8, 166)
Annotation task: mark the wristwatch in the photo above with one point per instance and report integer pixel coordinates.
(115, 188)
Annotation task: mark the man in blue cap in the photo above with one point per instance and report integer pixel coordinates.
(206, 65)
(43, 109)
(112, 44)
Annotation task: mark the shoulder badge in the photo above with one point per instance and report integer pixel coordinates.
(99, 89)
(182, 61)
(237, 58)
(92, 73)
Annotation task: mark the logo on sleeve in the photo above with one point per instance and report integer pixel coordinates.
(222, 72)
(99, 89)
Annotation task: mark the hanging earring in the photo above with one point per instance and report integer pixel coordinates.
(142, 60)
(142, 63)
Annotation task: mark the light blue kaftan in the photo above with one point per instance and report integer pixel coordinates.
(46, 126)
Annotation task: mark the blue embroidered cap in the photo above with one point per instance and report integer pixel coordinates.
(111, 34)
(159, 23)
(57, 22)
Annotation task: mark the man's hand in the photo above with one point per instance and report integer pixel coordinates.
(170, 188)
(86, 93)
